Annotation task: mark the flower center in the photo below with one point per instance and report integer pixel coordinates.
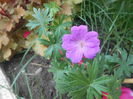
(81, 44)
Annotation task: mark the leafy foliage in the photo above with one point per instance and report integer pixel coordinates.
(12, 25)
(89, 80)
(123, 62)
(11, 39)
(41, 20)
(59, 68)
(79, 82)
(53, 7)
(114, 87)
(49, 36)
(50, 23)
(58, 28)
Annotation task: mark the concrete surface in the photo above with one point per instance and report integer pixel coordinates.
(5, 89)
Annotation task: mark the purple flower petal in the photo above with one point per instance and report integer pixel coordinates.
(79, 29)
(93, 44)
(78, 32)
(68, 44)
(66, 37)
(74, 55)
(91, 52)
(91, 34)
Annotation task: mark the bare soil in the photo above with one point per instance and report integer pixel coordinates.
(36, 73)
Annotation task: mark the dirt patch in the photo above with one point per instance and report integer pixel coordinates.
(35, 75)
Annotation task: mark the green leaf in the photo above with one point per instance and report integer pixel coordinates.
(44, 42)
(58, 69)
(57, 47)
(130, 59)
(40, 21)
(53, 50)
(124, 63)
(49, 51)
(114, 87)
(53, 8)
(60, 26)
(113, 59)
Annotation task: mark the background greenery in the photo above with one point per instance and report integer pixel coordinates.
(112, 19)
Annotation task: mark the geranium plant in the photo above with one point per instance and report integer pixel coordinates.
(79, 68)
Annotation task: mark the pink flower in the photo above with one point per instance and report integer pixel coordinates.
(25, 35)
(126, 93)
(81, 43)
